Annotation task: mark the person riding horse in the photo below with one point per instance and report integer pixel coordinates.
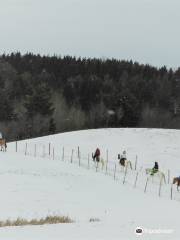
(96, 155)
(122, 158)
(155, 169)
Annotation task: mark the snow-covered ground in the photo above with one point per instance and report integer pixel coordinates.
(35, 184)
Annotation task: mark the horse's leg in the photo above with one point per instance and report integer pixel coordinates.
(164, 178)
(121, 168)
(130, 165)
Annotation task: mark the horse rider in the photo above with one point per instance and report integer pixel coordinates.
(123, 158)
(155, 169)
(96, 155)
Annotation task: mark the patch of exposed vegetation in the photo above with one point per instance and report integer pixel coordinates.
(42, 221)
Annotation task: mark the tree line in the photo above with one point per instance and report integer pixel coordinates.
(43, 95)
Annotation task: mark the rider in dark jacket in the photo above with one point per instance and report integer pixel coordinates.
(97, 155)
(155, 169)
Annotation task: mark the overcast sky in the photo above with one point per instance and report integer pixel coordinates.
(147, 31)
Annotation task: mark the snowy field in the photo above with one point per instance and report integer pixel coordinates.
(45, 176)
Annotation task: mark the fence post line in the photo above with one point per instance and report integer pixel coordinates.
(72, 155)
(136, 179)
(63, 154)
(168, 176)
(135, 167)
(171, 191)
(125, 175)
(115, 171)
(26, 149)
(146, 185)
(35, 150)
(16, 146)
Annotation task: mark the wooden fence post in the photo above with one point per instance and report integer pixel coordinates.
(63, 154)
(88, 160)
(115, 171)
(107, 161)
(26, 149)
(107, 155)
(135, 167)
(136, 179)
(35, 150)
(168, 176)
(72, 155)
(79, 160)
(53, 154)
(49, 149)
(171, 191)
(43, 151)
(78, 152)
(146, 185)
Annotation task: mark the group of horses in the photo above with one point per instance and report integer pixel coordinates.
(127, 164)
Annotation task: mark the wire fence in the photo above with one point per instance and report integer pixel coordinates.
(135, 177)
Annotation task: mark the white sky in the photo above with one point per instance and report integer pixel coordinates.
(142, 30)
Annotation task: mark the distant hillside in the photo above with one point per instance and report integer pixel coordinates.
(42, 95)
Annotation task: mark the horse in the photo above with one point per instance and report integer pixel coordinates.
(159, 174)
(176, 180)
(98, 161)
(101, 162)
(3, 144)
(125, 163)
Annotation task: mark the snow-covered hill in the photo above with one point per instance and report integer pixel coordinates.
(38, 184)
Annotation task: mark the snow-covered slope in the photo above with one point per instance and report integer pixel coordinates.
(38, 184)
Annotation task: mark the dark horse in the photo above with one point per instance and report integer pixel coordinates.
(176, 180)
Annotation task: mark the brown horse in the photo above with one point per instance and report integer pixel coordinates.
(176, 180)
(3, 144)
